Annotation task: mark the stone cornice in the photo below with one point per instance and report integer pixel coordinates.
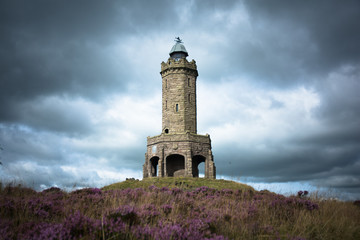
(186, 137)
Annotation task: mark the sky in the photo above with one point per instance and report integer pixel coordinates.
(278, 89)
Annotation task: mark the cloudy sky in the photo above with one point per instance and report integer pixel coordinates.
(278, 89)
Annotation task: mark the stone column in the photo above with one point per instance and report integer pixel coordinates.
(210, 166)
(188, 163)
(145, 167)
(161, 163)
(165, 162)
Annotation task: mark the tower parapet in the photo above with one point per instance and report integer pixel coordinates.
(178, 150)
(182, 63)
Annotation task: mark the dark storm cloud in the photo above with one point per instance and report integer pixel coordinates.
(331, 25)
(19, 143)
(57, 48)
(291, 42)
(53, 48)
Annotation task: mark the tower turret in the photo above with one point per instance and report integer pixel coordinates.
(178, 51)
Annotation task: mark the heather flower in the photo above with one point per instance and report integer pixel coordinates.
(35, 230)
(7, 206)
(167, 208)
(153, 188)
(202, 189)
(176, 191)
(149, 213)
(227, 192)
(252, 210)
(164, 189)
(112, 227)
(77, 226)
(126, 213)
(5, 229)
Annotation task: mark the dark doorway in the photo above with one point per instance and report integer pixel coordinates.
(154, 163)
(174, 162)
(196, 160)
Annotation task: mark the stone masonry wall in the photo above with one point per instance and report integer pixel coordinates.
(179, 96)
(186, 145)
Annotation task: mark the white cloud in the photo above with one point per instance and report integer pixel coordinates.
(238, 112)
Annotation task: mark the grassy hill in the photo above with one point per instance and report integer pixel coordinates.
(180, 182)
(173, 208)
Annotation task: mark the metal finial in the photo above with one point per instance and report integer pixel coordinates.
(178, 40)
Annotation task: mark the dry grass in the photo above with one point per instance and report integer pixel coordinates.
(173, 208)
(179, 182)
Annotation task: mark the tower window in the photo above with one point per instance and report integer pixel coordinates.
(165, 83)
(166, 130)
(177, 107)
(189, 82)
(189, 97)
(166, 104)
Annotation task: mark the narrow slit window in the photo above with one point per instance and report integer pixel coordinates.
(166, 104)
(189, 82)
(189, 97)
(165, 83)
(177, 107)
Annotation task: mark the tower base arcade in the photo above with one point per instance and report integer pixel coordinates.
(178, 155)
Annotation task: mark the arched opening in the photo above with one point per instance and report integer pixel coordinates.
(196, 160)
(166, 130)
(154, 163)
(175, 165)
(201, 168)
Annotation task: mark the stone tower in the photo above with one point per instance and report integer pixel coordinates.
(178, 150)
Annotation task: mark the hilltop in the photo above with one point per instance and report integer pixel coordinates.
(173, 208)
(180, 182)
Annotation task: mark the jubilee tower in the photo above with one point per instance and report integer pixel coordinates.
(178, 150)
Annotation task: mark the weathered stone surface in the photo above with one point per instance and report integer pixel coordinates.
(179, 173)
(178, 150)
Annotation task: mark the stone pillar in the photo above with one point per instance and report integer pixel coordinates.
(145, 167)
(165, 162)
(210, 171)
(207, 167)
(188, 163)
(161, 163)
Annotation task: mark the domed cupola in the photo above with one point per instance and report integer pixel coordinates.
(178, 50)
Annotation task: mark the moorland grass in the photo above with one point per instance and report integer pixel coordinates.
(173, 208)
(179, 182)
